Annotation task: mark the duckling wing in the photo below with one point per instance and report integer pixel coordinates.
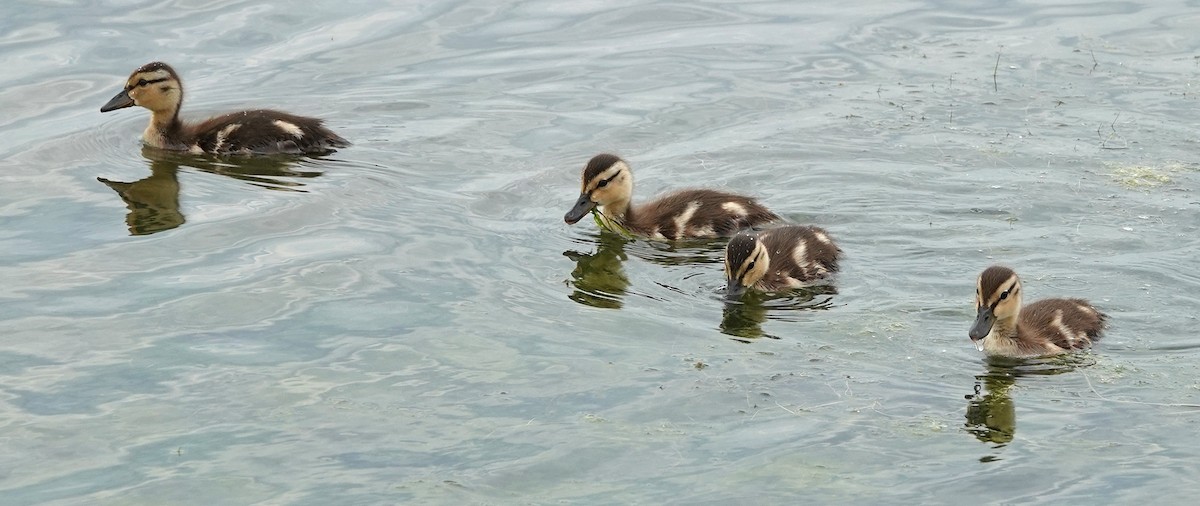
(700, 214)
(1067, 323)
(801, 254)
(265, 132)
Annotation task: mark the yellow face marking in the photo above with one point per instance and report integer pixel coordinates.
(755, 267)
(146, 90)
(979, 292)
(993, 299)
(605, 177)
(142, 78)
(610, 186)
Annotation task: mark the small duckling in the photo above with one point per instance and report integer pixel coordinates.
(685, 214)
(156, 87)
(1045, 327)
(779, 259)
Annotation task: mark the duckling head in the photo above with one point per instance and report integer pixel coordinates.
(607, 183)
(997, 299)
(154, 86)
(746, 262)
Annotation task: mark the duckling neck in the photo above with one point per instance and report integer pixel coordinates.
(618, 212)
(1005, 329)
(165, 130)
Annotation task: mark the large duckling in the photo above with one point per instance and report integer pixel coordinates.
(685, 214)
(156, 87)
(1045, 327)
(779, 259)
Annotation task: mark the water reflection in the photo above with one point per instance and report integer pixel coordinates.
(599, 278)
(153, 201)
(743, 320)
(992, 416)
(696, 251)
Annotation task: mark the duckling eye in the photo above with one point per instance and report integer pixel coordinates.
(141, 82)
(1004, 295)
(602, 183)
(751, 265)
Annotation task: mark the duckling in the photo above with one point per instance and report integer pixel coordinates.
(685, 214)
(779, 259)
(156, 87)
(1045, 327)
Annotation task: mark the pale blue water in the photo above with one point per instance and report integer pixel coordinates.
(409, 320)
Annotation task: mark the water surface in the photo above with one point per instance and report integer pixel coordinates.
(409, 320)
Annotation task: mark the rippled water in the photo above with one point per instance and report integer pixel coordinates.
(409, 320)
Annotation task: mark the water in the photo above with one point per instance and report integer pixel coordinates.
(409, 320)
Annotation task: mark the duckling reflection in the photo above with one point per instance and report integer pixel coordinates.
(599, 278)
(991, 416)
(743, 320)
(153, 201)
(691, 252)
(273, 172)
(991, 413)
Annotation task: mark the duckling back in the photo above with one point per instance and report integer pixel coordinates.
(1069, 324)
(265, 131)
(697, 214)
(800, 254)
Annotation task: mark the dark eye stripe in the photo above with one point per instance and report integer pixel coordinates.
(143, 82)
(604, 182)
(1010, 291)
(749, 266)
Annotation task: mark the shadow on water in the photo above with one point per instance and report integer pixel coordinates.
(991, 413)
(743, 320)
(153, 201)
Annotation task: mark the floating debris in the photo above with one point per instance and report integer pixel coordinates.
(1144, 176)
